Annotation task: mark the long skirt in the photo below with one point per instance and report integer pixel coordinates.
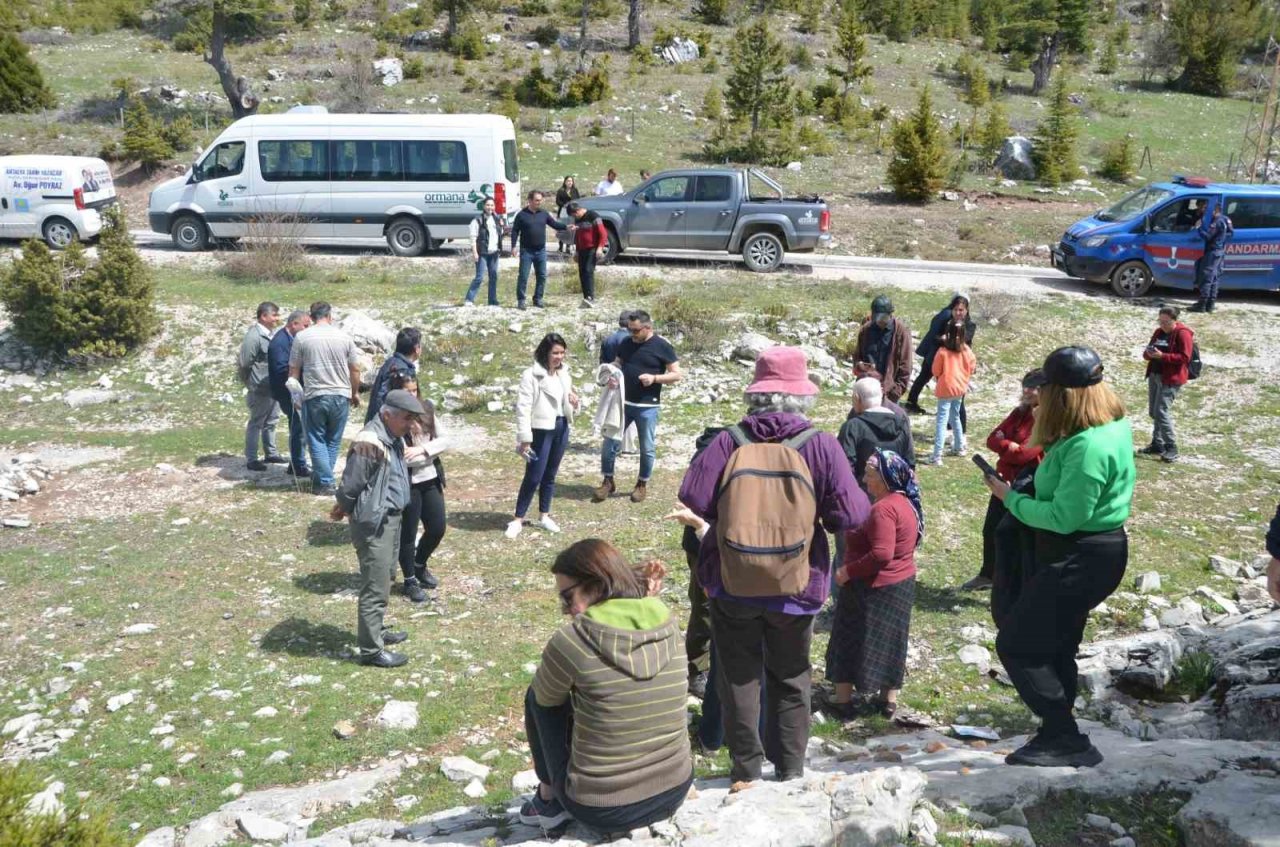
(868, 645)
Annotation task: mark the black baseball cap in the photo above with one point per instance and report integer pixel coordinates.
(882, 305)
(1070, 367)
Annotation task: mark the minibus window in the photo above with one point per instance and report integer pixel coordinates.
(1135, 204)
(510, 160)
(224, 160)
(436, 161)
(369, 161)
(293, 161)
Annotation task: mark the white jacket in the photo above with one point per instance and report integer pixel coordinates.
(609, 416)
(541, 399)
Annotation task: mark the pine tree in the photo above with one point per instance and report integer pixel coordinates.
(1054, 150)
(850, 49)
(977, 87)
(1110, 61)
(757, 90)
(1046, 29)
(902, 20)
(1118, 160)
(143, 140)
(1211, 38)
(920, 160)
(995, 129)
(22, 87)
(713, 103)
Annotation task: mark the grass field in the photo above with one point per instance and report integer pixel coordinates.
(252, 589)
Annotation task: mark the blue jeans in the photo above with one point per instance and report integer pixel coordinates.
(646, 420)
(948, 411)
(487, 261)
(540, 474)
(297, 454)
(537, 258)
(326, 419)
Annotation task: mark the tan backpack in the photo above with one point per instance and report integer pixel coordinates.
(766, 510)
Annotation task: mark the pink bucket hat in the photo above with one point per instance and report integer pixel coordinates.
(782, 370)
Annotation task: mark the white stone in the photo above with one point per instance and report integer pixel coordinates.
(475, 789)
(80, 707)
(525, 782)
(17, 726)
(233, 790)
(47, 802)
(164, 837)
(276, 758)
(303, 680)
(1097, 821)
(795, 166)
(261, 828)
(369, 334)
(1226, 605)
(81, 397)
(266, 712)
(1124, 841)
(1223, 565)
(118, 702)
(463, 769)
(162, 729)
(1187, 612)
(1147, 583)
(398, 714)
(139, 629)
(390, 69)
(162, 782)
(1235, 808)
(975, 654)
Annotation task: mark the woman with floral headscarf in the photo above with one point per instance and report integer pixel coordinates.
(877, 579)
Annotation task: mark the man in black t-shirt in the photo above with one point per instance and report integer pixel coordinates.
(648, 362)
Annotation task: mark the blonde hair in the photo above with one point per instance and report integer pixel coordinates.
(1063, 412)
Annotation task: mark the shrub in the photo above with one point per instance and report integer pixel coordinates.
(713, 103)
(470, 401)
(920, 160)
(801, 57)
(533, 8)
(535, 88)
(546, 34)
(1110, 61)
(179, 134)
(1118, 160)
(468, 43)
(22, 87)
(272, 251)
(1193, 675)
(415, 68)
(645, 286)
(302, 11)
(144, 142)
(995, 129)
(712, 11)
(590, 85)
(74, 828)
(67, 304)
(508, 108)
(810, 12)
(698, 321)
(1054, 152)
(843, 346)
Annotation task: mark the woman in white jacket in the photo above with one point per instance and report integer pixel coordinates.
(544, 407)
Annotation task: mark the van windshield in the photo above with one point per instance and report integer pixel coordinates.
(1135, 204)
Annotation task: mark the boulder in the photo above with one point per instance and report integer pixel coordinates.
(1234, 809)
(552, 137)
(749, 346)
(369, 334)
(1251, 595)
(398, 714)
(1187, 613)
(875, 807)
(1147, 583)
(1145, 661)
(81, 397)
(1252, 713)
(678, 51)
(1014, 160)
(261, 828)
(463, 769)
(390, 69)
(1224, 566)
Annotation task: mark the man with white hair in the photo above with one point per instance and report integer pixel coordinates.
(872, 425)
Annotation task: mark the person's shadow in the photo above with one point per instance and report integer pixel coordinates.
(328, 582)
(479, 521)
(301, 637)
(328, 533)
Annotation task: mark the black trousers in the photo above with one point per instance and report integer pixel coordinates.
(995, 511)
(697, 636)
(1042, 632)
(748, 639)
(426, 504)
(587, 272)
(1015, 565)
(550, 733)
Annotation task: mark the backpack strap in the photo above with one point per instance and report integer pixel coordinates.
(798, 440)
(739, 435)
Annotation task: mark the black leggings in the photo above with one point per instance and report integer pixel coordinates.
(426, 504)
(1042, 631)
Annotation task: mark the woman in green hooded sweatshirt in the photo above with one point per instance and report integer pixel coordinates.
(605, 716)
(1083, 491)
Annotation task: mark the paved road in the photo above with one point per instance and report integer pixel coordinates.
(917, 274)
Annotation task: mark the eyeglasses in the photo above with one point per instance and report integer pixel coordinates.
(566, 596)
(634, 332)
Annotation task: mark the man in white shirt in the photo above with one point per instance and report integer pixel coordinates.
(609, 186)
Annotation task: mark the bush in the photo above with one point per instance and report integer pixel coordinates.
(74, 828)
(589, 86)
(272, 251)
(179, 134)
(1110, 61)
(144, 141)
(22, 87)
(696, 320)
(1118, 160)
(532, 8)
(468, 43)
(801, 57)
(535, 88)
(712, 11)
(302, 11)
(645, 286)
(66, 304)
(415, 68)
(920, 160)
(546, 34)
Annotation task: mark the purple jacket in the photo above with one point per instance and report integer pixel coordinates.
(842, 506)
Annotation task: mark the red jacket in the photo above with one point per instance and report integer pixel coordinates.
(1176, 346)
(1017, 430)
(883, 550)
(590, 233)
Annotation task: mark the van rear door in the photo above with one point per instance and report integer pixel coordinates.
(1171, 243)
(1253, 253)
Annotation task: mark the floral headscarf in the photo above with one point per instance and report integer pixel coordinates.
(899, 477)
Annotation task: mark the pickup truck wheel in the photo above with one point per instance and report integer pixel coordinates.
(189, 234)
(763, 252)
(1132, 279)
(612, 248)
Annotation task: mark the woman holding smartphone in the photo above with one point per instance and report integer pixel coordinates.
(545, 404)
(1083, 494)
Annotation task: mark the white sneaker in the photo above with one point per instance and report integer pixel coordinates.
(548, 524)
(513, 528)
(933, 460)
(467, 304)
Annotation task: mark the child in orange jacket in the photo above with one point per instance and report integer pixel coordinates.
(953, 366)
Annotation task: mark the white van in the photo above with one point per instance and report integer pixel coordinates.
(56, 198)
(415, 180)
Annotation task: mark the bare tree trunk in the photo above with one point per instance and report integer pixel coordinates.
(243, 101)
(451, 28)
(582, 30)
(1042, 66)
(633, 24)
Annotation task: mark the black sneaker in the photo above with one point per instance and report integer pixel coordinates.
(520, 306)
(302, 471)
(538, 304)
(1064, 751)
(426, 578)
(413, 590)
(1169, 458)
(913, 408)
(325, 490)
(277, 459)
(547, 814)
(255, 465)
(1151, 450)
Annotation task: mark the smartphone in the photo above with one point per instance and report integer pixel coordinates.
(985, 466)
(530, 456)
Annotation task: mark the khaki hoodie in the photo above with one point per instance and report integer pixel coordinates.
(623, 665)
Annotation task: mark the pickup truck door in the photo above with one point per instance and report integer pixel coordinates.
(658, 214)
(712, 209)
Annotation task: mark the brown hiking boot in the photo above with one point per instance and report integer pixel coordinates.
(602, 493)
(641, 491)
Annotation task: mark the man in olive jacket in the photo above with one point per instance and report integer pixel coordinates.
(373, 493)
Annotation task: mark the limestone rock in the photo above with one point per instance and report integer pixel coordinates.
(1251, 595)
(119, 701)
(1235, 809)
(525, 782)
(876, 807)
(463, 769)
(1187, 613)
(749, 346)
(342, 730)
(390, 69)
(369, 334)
(139, 629)
(1226, 605)
(1222, 565)
(678, 51)
(266, 712)
(261, 828)
(163, 837)
(975, 654)
(1252, 712)
(1147, 583)
(80, 397)
(475, 789)
(398, 714)
(21, 725)
(1014, 160)
(48, 801)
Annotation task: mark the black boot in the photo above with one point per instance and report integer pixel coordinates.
(414, 591)
(1211, 304)
(425, 578)
(1199, 306)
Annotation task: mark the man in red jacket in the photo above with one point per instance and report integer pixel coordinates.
(1168, 356)
(590, 238)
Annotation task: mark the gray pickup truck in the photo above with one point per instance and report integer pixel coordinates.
(720, 209)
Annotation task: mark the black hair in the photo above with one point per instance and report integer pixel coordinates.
(625, 318)
(955, 337)
(959, 298)
(1171, 311)
(549, 341)
(406, 339)
(320, 310)
(266, 307)
(641, 317)
(564, 182)
(535, 193)
(572, 207)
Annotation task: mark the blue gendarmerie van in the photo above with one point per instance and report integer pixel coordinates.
(1150, 238)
